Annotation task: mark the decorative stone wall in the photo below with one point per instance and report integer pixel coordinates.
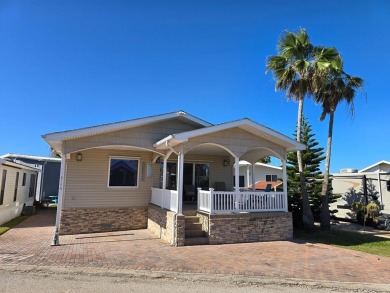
(250, 227)
(91, 220)
(204, 219)
(161, 223)
(180, 230)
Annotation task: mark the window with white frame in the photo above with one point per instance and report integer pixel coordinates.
(123, 172)
(271, 178)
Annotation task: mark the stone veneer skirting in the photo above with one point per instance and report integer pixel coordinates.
(247, 227)
(91, 220)
(166, 225)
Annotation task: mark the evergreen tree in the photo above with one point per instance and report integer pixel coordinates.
(311, 159)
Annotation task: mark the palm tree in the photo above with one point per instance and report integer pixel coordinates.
(292, 70)
(331, 88)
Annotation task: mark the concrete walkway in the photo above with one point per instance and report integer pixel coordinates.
(29, 244)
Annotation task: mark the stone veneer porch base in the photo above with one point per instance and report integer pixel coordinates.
(247, 227)
(92, 220)
(223, 228)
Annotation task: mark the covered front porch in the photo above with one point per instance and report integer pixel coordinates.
(227, 214)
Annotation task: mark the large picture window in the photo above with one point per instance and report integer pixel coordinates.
(123, 172)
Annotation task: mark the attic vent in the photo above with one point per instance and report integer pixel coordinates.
(349, 170)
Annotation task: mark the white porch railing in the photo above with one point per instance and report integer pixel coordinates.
(224, 201)
(165, 198)
(248, 201)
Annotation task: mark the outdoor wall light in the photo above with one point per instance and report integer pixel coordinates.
(79, 157)
(225, 162)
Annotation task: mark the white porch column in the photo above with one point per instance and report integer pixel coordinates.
(164, 183)
(237, 173)
(179, 183)
(61, 193)
(285, 184)
(253, 176)
(247, 176)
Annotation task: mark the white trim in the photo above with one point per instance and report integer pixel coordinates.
(373, 165)
(138, 159)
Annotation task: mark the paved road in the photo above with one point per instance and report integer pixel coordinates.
(76, 281)
(28, 244)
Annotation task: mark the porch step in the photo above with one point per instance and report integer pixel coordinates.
(197, 241)
(194, 226)
(190, 213)
(192, 219)
(195, 233)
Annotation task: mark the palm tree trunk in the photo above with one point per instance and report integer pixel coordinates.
(307, 215)
(325, 214)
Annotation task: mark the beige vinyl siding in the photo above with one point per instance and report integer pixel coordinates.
(143, 136)
(237, 140)
(86, 183)
(10, 209)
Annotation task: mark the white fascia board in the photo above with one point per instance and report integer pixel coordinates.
(88, 131)
(373, 165)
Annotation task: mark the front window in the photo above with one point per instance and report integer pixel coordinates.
(123, 172)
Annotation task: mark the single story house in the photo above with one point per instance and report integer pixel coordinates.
(17, 188)
(172, 174)
(49, 177)
(349, 184)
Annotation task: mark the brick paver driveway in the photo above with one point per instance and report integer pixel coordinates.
(29, 244)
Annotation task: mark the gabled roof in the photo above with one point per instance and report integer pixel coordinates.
(30, 157)
(245, 124)
(376, 164)
(55, 139)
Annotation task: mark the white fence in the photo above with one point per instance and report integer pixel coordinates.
(165, 198)
(247, 201)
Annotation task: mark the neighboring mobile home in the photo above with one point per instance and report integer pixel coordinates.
(49, 177)
(348, 183)
(143, 173)
(17, 188)
(264, 174)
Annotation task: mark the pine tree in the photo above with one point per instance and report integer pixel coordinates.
(311, 159)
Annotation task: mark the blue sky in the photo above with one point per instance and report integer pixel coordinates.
(72, 64)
